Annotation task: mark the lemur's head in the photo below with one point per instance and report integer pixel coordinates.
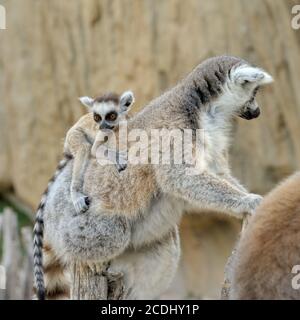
(228, 85)
(109, 108)
(244, 83)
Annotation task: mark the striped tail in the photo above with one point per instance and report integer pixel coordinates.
(38, 233)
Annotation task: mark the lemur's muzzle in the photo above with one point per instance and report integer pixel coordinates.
(105, 126)
(249, 114)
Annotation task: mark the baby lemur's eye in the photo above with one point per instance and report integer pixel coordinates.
(97, 117)
(112, 116)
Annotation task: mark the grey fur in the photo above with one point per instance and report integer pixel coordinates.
(84, 237)
(206, 82)
(207, 98)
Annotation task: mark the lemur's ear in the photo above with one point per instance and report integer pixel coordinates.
(87, 101)
(248, 74)
(126, 101)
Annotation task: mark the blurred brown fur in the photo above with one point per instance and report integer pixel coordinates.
(270, 247)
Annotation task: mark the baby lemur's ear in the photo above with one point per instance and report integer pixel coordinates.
(126, 101)
(87, 101)
(247, 74)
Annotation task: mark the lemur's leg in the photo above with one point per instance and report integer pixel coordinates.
(79, 146)
(81, 202)
(95, 236)
(226, 174)
(206, 190)
(57, 281)
(89, 238)
(149, 270)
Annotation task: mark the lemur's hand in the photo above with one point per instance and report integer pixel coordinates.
(119, 286)
(251, 202)
(121, 160)
(81, 203)
(121, 166)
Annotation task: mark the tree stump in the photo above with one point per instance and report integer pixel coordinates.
(88, 282)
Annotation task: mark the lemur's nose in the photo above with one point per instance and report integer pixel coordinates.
(255, 113)
(105, 126)
(250, 114)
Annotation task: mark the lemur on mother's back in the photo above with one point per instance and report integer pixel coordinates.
(82, 140)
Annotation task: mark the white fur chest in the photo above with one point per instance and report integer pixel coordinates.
(214, 140)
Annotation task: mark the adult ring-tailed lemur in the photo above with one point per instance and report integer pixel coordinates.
(138, 234)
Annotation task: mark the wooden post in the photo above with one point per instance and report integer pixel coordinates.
(88, 283)
(11, 254)
(26, 271)
(16, 259)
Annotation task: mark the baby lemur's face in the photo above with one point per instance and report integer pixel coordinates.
(109, 109)
(106, 114)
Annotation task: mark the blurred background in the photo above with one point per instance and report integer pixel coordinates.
(54, 51)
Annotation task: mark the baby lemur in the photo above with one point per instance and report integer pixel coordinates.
(105, 113)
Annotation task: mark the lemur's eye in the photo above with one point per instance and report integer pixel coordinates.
(97, 117)
(112, 116)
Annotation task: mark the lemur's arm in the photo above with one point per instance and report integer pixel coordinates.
(99, 140)
(227, 174)
(80, 148)
(206, 190)
(234, 182)
(114, 156)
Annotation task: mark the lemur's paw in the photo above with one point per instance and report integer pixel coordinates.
(122, 280)
(82, 204)
(116, 284)
(96, 268)
(113, 276)
(121, 167)
(252, 201)
(87, 200)
(121, 163)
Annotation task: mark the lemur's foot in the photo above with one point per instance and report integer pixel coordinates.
(81, 204)
(116, 286)
(251, 202)
(113, 276)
